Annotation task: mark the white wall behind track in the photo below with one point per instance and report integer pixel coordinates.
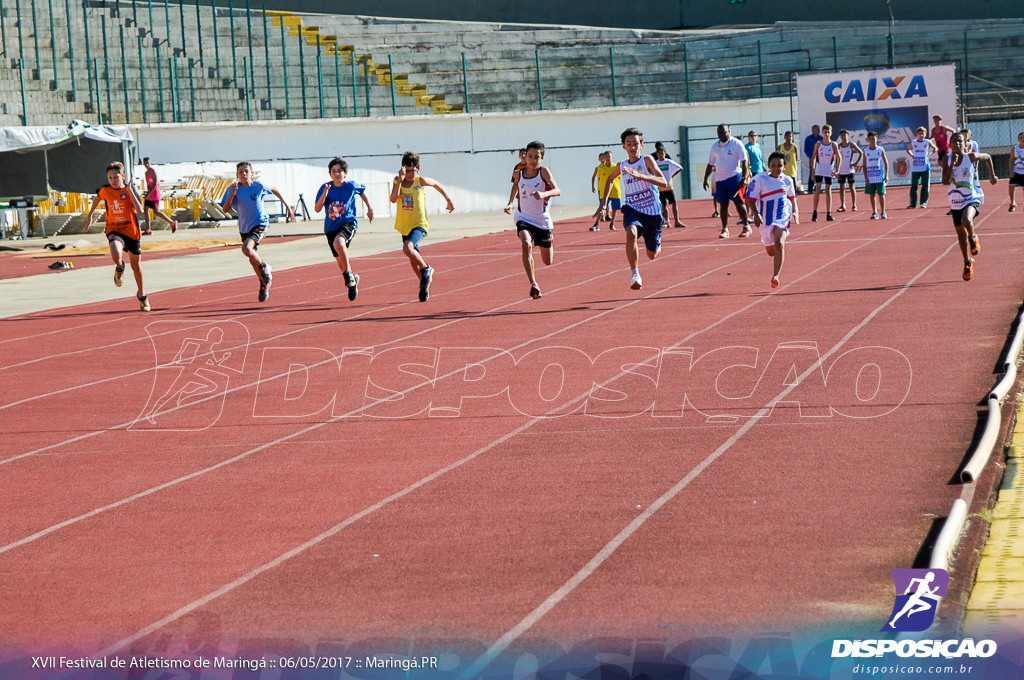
(472, 155)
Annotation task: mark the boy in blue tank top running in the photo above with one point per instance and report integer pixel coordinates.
(641, 207)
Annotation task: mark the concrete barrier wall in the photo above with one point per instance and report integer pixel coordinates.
(472, 155)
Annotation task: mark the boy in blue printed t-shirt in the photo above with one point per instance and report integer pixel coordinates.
(339, 198)
(247, 196)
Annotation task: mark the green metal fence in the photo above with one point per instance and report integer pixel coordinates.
(123, 61)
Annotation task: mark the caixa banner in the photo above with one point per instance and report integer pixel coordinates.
(892, 103)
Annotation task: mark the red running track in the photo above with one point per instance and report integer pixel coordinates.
(613, 462)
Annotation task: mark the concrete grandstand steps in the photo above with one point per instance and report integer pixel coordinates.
(54, 224)
(56, 68)
(364, 64)
(453, 31)
(427, 62)
(75, 223)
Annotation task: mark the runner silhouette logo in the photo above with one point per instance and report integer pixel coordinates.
(918, 592)
(196, 363)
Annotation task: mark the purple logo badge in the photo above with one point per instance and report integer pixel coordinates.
(918, 592)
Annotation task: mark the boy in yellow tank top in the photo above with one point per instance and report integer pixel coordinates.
(600, 176)
(411, 215)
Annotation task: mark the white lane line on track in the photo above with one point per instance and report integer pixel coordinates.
(170, 618)
(142, 494)
(126, 424)
(609, 548)
(121, 377)
(589, 253)
(477, 260)
(298, 550)
(200, 307)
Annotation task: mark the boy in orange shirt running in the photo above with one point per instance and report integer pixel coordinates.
(122, 229)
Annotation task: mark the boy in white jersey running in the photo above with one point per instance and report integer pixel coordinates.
(876, 174)
(959, 174)
(1017, 168)
(533, 185)
(850, 157)
(771, 199)
(824, 166)
(641, 208)
(920, 169)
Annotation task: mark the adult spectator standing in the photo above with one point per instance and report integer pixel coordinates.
(940, 135)
(810, 141)
(151, 199)
(754, 154)
(728, 160)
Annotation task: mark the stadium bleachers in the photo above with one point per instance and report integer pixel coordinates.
(154, 62)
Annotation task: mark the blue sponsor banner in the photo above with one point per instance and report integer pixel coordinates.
(895, 126)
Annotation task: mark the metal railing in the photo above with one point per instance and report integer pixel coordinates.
(173, 66)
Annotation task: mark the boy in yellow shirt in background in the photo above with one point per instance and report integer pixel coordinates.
(411, 215)
(600, 176)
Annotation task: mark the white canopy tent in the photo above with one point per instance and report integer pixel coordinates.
(34, 160)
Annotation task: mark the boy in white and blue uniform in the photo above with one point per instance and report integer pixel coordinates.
(971, 146)
(960, 175)
(339, 198)
(532, 190)
(920, 169)
(847, 167)
(247, 197)
(824, 167)
(641, 207)
(771, 199)
(1017, 168)
(728, 160)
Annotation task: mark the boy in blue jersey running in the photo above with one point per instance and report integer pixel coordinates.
(340, 223)
(771, 199)
(247, 196)
(641, 208)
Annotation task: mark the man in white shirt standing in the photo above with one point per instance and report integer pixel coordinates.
(728, 160)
